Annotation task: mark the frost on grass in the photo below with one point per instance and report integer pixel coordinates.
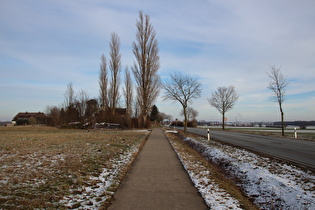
(212, 193)
(271, 184)
(103, 186)
(43, 167)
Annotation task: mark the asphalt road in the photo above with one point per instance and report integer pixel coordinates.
(298, 152)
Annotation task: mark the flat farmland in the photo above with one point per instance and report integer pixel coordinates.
(45, 167)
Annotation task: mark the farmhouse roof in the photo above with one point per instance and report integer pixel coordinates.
(27, 115)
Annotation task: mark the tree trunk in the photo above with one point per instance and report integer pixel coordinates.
(144, 121)
(223, 122)
(282, 120)
(185, 121)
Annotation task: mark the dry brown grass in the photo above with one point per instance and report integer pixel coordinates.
(215, 173)
(39, 165)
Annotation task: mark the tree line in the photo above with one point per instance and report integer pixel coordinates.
(139, 105)
(184, 88)
(107, 108)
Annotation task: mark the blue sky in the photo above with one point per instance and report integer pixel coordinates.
(44, 45)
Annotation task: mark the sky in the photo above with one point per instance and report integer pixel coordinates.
(45, 45)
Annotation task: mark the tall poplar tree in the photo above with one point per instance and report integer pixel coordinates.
(115, 68)
(103, 82)
(145, 68)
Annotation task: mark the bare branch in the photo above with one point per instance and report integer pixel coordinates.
(103, 83)
(145, 68)
(191, 113)
(69, 96)
(128, 92)
(81, 104)
(223, 99)
(115, 67)
(277, 85)
(182, 88)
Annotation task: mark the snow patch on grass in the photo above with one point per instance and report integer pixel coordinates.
(171, 131)
(92, 197)
(214, 196)
(271, 184)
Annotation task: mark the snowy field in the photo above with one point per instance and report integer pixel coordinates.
(270, 184)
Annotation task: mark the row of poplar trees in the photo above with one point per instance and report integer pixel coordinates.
(144, 69)
(145, 72)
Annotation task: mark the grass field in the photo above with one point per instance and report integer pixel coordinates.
(39, 166)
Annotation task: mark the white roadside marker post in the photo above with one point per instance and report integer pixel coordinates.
(295, 133)
(208, 134)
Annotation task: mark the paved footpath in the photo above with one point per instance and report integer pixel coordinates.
(157, 180)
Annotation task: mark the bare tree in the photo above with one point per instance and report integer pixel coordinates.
(182, 88)
(103, 82)
(81, 105)
(136, 109)
(145, 68)
(115, 67)
(69, 96)
(71, 113)
(128, 94)
(194, 114)
(191, 113)
(223, 100)
(277, 85)
(163, 116)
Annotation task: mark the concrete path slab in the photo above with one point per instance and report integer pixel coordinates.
(157, 180)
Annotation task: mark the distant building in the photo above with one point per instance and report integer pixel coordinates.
(29, 118)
